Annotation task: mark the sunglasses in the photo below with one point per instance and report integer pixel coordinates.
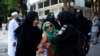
(47, 27)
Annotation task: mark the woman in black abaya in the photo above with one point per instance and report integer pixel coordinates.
(28, 36)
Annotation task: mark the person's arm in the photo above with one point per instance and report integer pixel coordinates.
(42, 44)
(63, 37)
(44, 38)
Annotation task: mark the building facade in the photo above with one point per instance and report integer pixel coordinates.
(55, 6)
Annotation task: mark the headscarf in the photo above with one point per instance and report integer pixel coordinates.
(50, 17)
(50, 35)
(80, 13)
(28, 23)
(30, 18)
(67, 17)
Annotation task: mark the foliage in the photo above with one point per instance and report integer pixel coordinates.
(23, 7)
(12, 4)
(6, 7)
(87, 3)
(62, 0)
(3, 11)
(3, 8)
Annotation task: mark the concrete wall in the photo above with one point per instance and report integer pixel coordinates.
(80, 3)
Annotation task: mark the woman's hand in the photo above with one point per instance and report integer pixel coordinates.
(40, 50)
(48, 44)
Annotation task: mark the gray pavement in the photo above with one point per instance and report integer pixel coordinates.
(94, 49)
(3, 44)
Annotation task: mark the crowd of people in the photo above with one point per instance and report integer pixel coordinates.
(55, 38)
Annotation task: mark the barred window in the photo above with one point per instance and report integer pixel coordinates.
(54, 2)
(46, 3)
(40, 5)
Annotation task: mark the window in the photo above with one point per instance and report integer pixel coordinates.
(46, 3)
(46, 12)
(40, 5)
(54, 2)
(70, 0)
(33, 7)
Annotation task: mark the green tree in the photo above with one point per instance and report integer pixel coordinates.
(99, 7)
(12, 5)
(23, 7)
(95, 5)
(6, 7)
(3, 11)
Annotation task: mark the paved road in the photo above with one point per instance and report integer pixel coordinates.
(94, 49)
(3, 44)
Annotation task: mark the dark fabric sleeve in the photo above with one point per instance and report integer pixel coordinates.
(63, 37)
(39, 37)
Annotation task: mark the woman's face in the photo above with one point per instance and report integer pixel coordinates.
(35, 22)
(49, 27)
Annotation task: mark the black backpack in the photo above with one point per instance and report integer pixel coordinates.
(82, 47)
